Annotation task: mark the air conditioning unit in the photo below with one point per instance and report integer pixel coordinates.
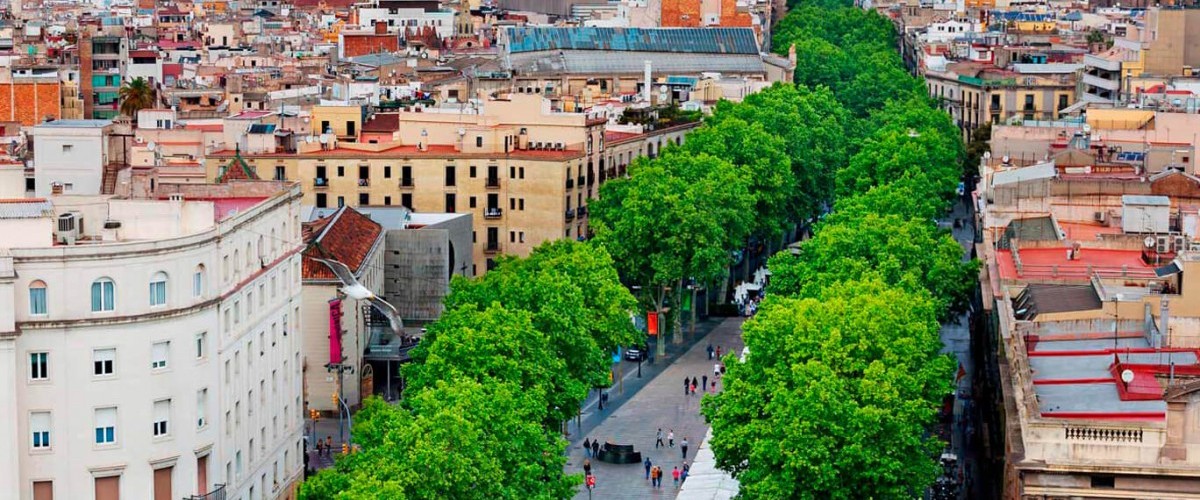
(1180, 244)
(558, 146)
(69, 226)
(1101, 216)
(1163, 244)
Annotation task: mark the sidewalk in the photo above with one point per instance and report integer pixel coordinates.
(660, 403)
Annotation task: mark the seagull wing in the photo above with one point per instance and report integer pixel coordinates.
(341, 271)
(389, 311)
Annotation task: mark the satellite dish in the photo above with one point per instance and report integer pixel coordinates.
(151, 145)
(1149, 241)
(308, 139)
(662, 88)
(1127, 376)
(1004, 159)
(324, 139)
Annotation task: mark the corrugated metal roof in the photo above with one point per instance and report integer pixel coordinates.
(686, 40)
(26, 209)
(1025, 174)
(592, 62)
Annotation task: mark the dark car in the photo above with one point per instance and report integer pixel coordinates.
(636, 353)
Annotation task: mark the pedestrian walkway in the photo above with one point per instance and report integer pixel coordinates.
(661, 403)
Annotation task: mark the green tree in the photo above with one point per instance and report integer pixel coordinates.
(453, 439)
(675, 217)
(834, 396)
(759, 156)
(981, 143)
(892, 153)
(135, 95)
(906, 197)
(576, 302)
(912, 254)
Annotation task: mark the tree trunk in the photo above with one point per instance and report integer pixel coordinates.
(677, 337)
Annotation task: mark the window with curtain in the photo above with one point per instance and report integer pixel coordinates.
(158, 289)
(103, 295)
(106, 425)
(37, 298)
(198, 281)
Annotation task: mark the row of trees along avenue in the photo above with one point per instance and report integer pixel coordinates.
(844, 374)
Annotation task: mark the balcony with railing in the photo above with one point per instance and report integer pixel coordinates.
(406, 182)
(582, 211)
(217, 493)
(491, 247)
(320, 182)
(492, 182)
(570, 183)
(493, 213)
(364, 182)
(570, 214)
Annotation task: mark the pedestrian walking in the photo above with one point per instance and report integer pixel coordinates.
(683, 475)
(647, 465)
(686, 383)
(718, 351)
(714, 385)
(587, 447)
(596, 448)
(716, 370)
(320, 448)
(683, 447)
(656, 476)
(587, 466)
(328, 445)
(693, 387)
(675, 475)
(704, 383)
(658, 439)
(671, 438)
(710, 351)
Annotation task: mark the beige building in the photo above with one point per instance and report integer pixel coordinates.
(523, 172)
(975, 94)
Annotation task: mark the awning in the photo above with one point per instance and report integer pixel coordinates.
(1169, 269)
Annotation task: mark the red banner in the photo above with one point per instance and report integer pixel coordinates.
(652, 323)
(335, 332)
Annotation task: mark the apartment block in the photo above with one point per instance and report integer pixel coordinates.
(151, 346)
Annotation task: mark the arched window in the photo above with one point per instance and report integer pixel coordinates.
(249, 257)
(274, 243)
(37, 298)
(198, 281)
(237, 264)
(103, 295)
(158, 289)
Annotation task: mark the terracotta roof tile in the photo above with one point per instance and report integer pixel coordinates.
(347, 237)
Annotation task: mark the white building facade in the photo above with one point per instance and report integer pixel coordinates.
(71, 154)
(154, 360)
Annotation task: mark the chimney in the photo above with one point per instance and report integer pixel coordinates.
(646, 87)
(380, 28)
(1165, 328)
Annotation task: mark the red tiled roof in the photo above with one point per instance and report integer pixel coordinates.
(347, 237)
(615, 137)
(237, 169)
(382, 122)
(434, 150)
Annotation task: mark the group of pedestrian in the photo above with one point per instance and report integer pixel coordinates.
(324, 447)
(711, 352)
(658, 438)
(654, 473)
(591, 448)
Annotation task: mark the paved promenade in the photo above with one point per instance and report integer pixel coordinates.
(660, 403)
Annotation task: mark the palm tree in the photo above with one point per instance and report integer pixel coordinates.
(136, 95)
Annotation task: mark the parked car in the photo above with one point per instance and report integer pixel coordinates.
(636, 353)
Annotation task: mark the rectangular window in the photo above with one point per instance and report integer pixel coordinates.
(450, 175)
(37, 300)
(322, 200)
(341, 170)
(39, 427)
(102, 361)
(406, 201)
(364, 173)
(280, 173)
(387, 201)
(197, 284)
(472, 171)
(450, 202)
(471, 202)
(39, 369)
(364, 199)
(106, 425)
(521, 203)
(201, 340)
(478, 141)
(102, 295)
(520, 172)
(512, 172)
(201, 407)
(158, 355)
(406, 175)
(512, 203)
(162, 413)
(341, 201)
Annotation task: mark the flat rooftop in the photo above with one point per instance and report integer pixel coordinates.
(1052, 263)
(1078, 375)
